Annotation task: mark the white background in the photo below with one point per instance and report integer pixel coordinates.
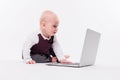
(19, 18)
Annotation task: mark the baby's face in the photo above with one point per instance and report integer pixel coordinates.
(51, 27)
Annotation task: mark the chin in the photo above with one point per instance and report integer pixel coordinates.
(52, 34)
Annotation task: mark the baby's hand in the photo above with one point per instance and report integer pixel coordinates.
(66, 56)
(54, 59)
(30, 62)
(65, 60)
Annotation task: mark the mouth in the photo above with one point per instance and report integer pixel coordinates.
(54, 32)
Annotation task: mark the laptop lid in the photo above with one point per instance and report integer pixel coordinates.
(90, 48)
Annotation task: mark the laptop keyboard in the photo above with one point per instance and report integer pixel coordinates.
(65, 63)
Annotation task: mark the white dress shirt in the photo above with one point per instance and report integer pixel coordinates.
(34, 39)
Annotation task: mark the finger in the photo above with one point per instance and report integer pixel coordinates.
(28, 62)
(34, 62)
(54, 60)
(67, 56)
(31, 62)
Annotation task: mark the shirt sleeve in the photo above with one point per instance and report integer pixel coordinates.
(57, 49)
(31, 40)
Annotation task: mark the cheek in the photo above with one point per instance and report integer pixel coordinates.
(49, 30)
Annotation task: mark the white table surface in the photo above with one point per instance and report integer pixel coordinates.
(17, 70)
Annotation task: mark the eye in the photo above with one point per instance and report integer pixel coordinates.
(55, 26)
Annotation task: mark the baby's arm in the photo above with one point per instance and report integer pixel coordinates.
(57, 49)
(32, 39)
(59, 53)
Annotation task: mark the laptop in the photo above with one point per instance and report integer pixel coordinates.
(89, 51)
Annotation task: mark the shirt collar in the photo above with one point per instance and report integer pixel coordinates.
(45, 38)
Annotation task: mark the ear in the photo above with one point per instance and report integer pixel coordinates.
(43, 24)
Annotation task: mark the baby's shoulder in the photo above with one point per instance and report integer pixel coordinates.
(33, 35)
